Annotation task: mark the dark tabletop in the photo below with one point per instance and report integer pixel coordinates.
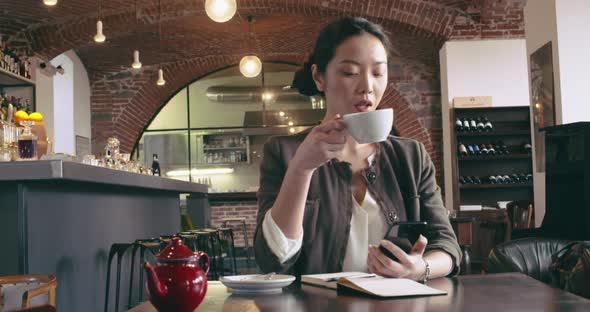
(478, 293)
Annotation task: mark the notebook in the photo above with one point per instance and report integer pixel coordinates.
(387, 287)
(329, 280)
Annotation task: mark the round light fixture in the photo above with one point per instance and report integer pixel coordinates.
(220, 10)
(99, 37)
(50, 2)
(136, 63)
(250, 66)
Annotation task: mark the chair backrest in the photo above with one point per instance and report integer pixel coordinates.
(26, 287)
(520, 213)
(531, 256)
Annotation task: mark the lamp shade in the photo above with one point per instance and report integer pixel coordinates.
(99, 37)
(220, 10)
(50, 2)
(161, 80)
(136, 63)
(250, 66)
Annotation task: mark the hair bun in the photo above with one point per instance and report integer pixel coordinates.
(303, 81)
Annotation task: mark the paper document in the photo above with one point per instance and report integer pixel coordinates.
(329, 280)
(388, 287)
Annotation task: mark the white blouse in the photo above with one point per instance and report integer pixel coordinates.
(367, 226)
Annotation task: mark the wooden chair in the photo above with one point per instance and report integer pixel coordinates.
(520, 213)
(48, 284)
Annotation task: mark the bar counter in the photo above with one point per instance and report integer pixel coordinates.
(59, 217)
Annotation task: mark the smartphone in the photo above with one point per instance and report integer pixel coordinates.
(407, 235)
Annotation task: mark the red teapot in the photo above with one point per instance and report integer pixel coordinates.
(179, 280)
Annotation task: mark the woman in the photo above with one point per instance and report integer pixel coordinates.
(326, 201)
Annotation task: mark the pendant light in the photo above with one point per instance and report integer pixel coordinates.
(136, 63)
(99, 37)
(250, 65)
(220, 10)
(50, 2)
(161, 80)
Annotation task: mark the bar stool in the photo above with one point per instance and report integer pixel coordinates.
(153, 246)
(228, 249)
(217, 257)
(206, 242)
(119, 250)
(190, 240)
(224, 223)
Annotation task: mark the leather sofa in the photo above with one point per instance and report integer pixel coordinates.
(530, 256)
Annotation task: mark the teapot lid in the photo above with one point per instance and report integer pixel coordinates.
(176, 251)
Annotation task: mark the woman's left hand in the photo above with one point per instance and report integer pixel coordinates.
(410, 265)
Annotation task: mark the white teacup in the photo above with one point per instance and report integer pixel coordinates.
(369, 127)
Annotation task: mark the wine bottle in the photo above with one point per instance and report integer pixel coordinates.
(480, 124)
(515, 178)
(458, 125)
(507, 179)
(156, 166)
(501, 148)
(491, 150)
(462, 180)
(476, 180)
(470, 149)
(476, 149)
(466, 125)
(468, 180)
(493, 179)
(527, 148)
(487, 124)
(484, 150)
(462, 149)
(473, 125)
(529, 177)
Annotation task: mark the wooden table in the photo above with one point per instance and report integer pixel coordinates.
(493, 292)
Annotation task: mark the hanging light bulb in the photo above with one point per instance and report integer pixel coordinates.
(161, 80)
(136, 63)
(50, 2)
(250, 66)
(99, 37)
(220, 10)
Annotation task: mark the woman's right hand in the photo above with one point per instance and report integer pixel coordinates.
(324, 142)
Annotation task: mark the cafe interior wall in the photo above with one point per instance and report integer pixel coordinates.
(564, 23)
(496, 68)
(50, 99)
(213, 114)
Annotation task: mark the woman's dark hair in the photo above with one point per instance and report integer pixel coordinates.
(328, 41)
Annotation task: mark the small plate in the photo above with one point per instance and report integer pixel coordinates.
(257, 283)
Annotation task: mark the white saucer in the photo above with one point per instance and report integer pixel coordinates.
(257, 283)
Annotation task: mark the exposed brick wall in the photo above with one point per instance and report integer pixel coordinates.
(247, 209)
(124, 101)
(501, 19)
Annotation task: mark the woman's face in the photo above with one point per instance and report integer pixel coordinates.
(356, 77)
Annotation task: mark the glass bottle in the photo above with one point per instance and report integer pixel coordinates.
(458, 124)
(27, 142)
(462, 149)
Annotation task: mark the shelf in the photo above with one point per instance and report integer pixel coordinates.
(496, 157)
(493, 133)
(196, 165)
(8, 79)
(494, 186)
(225, 148)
